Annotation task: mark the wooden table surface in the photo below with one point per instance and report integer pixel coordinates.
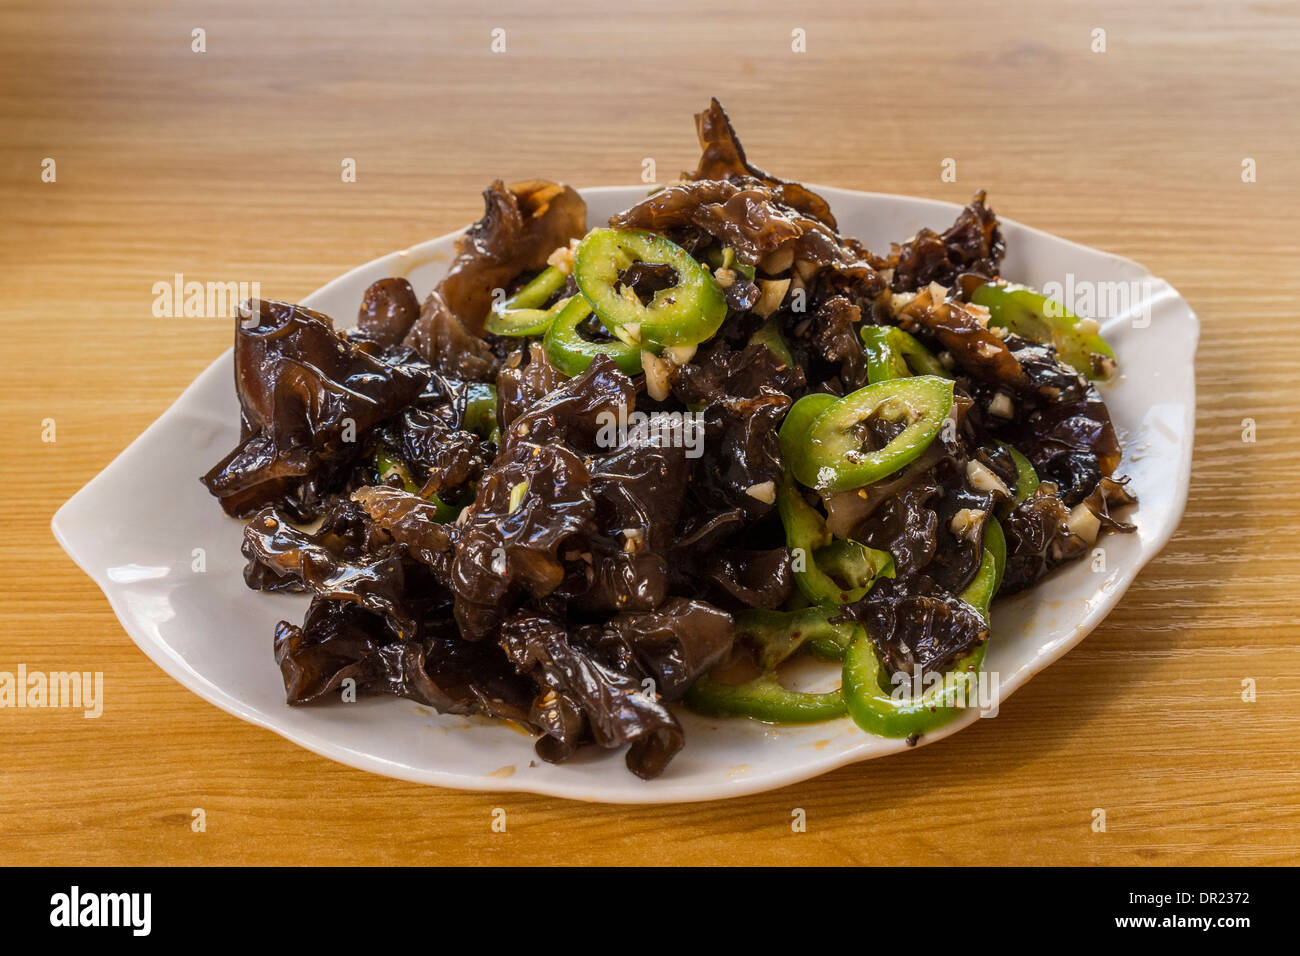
(225, 165)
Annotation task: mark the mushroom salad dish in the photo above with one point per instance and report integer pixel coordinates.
(604, 473)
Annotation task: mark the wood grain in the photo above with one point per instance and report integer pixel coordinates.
(226, 165)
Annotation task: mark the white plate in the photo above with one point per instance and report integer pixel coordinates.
(135, 527)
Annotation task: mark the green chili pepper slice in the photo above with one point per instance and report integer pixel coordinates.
(763, 698)
(831, 643)
(686, 313)
(884, 360)
(481, 412)
(979, 593)
(995, 542)
(893, 353)
(778, 635)
(540, 288)
(523, 323)
(826, 570)
(769, 334)
(1026, 478)
(853, 566)
(521, 314)
(724, 257)
(805, 532)
(805, 528)
(799, 420)
(1045, 320)
(386, 463)
(568, 351)
(880, 712)
(830, 458)
(884, 715)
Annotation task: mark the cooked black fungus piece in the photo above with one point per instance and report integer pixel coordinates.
(1083, 428)
(724, 158)
(962, 513)
(971, 245)
(442, 339)
(671, 645)
(440, 456)
(755, 220)
(522, 225)
(647, 278)
(1109, 494)
(1061, 424)
(1075, 474)
(742, 294)
(752, 578)
(340, 640)
(980, 352)
(606, 577)
(583, 698)
(917, 631)
(835, 338)
(307, 399)
(583, 412)
(741, 466)
(906, 526)
(639, 488)
(576, 565)
(622, 563)
(526, 378)
(284, 558)
(388, 310)
(1047, 379)
(532, 499)
(1038, 539)
(718, 371)
(412, 522)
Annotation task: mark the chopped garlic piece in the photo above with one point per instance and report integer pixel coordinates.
(1001, 406)
(898, 301)
(771, 295)
(982, 478)
(680, 354)
(657, 374)
(1083, 523)
(635, 538)
(778, 261)
(967, 523)
(628, 333)
(517, 494)
(562, 259)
